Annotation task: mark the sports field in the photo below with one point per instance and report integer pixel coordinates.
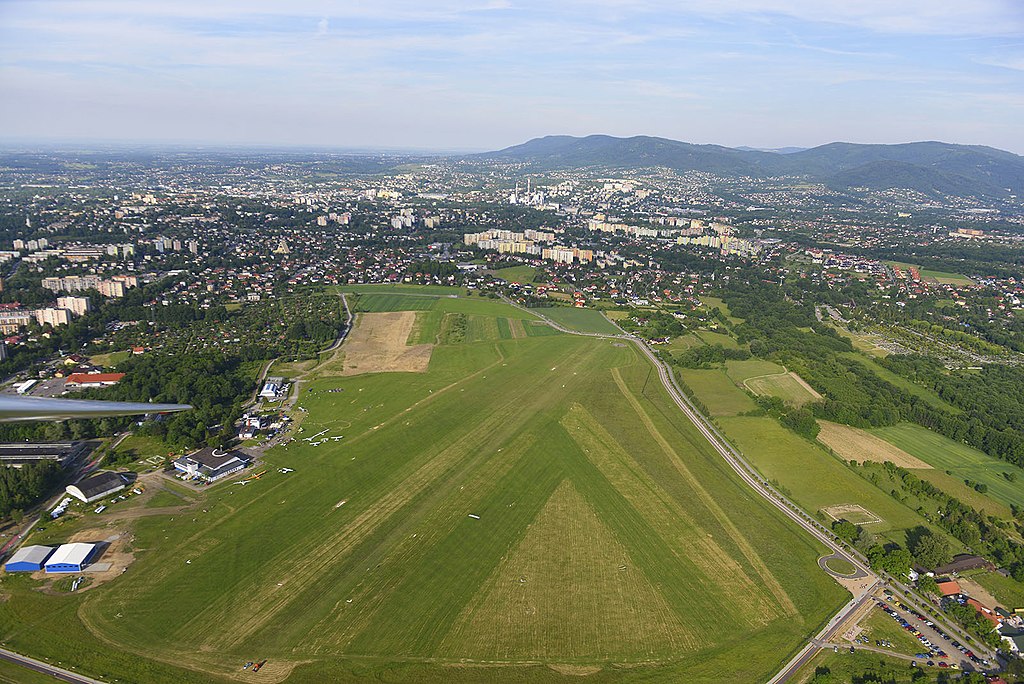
(789, 387)
(963, 461)
(527, 509)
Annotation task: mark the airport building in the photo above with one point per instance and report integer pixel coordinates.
(70, 557)
(96, 487)
(20, 453)
(211, 464)
(28, 559)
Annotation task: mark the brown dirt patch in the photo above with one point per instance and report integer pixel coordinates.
(979, 592)
(853, 444)
(116, 553)
(576, 670)
(378, 344)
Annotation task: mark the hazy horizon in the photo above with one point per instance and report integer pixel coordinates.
(477, 76)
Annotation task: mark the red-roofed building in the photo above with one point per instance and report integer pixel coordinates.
(949, 588)
(93, 379)
(985, 612)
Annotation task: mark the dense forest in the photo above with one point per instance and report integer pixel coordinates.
(22, 487)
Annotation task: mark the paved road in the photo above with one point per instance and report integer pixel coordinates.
(58, 673)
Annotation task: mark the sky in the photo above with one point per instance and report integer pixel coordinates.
(485, 74)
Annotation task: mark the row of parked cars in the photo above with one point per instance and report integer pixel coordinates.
(934, 650)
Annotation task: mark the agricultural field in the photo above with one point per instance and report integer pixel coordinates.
(964, 462)
(854, 444)
(375, 302)
(527, 509)
(581, 320)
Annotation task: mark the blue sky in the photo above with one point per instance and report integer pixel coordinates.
(491, 73)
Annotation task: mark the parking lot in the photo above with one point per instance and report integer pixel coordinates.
(938, 648)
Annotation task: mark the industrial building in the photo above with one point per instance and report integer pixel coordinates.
(70, 557)
(211, 464)
(20, 453)
(93, 379)
(96, 487)
(28, 559)
(271, 388)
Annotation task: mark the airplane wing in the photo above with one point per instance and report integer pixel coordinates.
(14, 408)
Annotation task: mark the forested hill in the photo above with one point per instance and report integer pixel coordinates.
(928, 167)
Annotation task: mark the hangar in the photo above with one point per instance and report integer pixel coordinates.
(96, 487)
(28, 559)
(70, 557)
(211, 464)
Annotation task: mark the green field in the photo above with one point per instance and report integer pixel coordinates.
(815, 479)
(711, 337)
(865, 666)
(841, 565)
(1006, 590)
(110, 359)
(717, 391)
(946, 278)
(963, 461)
(784, 386)
(534, 506)
(516, 274)
(741, 371)
(955, 487)
(716, 302)
(374, 302)
(581, 320)
(880, 625)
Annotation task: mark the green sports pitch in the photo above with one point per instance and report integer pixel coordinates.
(528, 509)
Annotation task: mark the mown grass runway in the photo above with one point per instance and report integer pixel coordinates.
(531, 505)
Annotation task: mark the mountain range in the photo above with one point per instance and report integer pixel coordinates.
(933, 168)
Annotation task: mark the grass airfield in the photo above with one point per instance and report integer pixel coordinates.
(529, 509)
